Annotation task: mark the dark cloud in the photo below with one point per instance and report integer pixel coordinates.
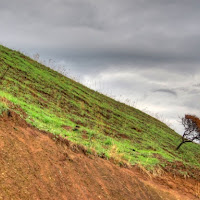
(133, 47)
(166, 91)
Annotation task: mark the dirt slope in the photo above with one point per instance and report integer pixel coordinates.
(33, 165)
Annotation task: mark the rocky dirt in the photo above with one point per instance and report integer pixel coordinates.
(36, 165)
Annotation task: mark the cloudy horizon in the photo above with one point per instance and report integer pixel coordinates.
(145, 51)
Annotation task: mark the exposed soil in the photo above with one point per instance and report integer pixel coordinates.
(36, 165)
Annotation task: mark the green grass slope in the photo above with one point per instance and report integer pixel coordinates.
(55, 103)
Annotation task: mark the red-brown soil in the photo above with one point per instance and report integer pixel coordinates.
(34, 165)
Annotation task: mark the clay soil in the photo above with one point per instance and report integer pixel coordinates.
(36, 165)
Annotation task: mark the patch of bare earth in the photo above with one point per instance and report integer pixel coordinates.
(35, 165)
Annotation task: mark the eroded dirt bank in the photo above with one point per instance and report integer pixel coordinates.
(35, 166)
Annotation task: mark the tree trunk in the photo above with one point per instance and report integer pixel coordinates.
(177, 148)
(184, 141)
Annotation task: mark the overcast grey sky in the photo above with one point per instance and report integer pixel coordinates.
(146, 51)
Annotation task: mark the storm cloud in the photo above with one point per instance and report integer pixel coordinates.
(145, 51)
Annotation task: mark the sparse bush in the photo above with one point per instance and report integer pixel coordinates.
(116, 155)
(108, 141)
(36, 57)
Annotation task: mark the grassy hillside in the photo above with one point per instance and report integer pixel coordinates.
(54, 103)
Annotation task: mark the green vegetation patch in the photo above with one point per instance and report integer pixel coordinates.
(53, 102)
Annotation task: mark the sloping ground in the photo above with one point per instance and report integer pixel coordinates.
(57, 104)
(37, 165)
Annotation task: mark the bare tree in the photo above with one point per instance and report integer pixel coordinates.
(191, 124)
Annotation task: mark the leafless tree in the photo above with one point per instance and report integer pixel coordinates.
(191, 124)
